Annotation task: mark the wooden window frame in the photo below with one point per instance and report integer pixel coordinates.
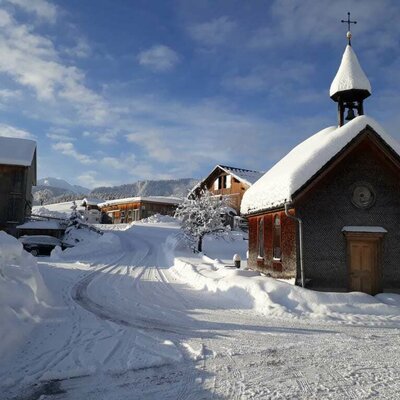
(260, 239)
(276, 238)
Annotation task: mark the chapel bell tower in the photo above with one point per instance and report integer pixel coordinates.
(350, 86)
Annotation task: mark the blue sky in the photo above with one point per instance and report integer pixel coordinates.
(116, 91)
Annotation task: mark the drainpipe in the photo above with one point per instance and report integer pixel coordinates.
(300, 222)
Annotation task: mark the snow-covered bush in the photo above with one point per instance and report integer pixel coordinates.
(202, 216)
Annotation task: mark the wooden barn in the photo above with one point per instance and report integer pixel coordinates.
(17, 176)
(136, 208)
(229, 182)
(328, 213)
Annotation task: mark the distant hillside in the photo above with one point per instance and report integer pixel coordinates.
(62, 184)
(175, 187)
(48, 194)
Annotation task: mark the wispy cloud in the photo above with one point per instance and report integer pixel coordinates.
(214, 32)
(41, 8)
(276, 80)
(121, 163)
(68, 149)
(318, 23)
(154, 144)
(91, 179)
(158, 58)
(33, 62)
(12, 131)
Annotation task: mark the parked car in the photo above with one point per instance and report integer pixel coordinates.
(41, 245)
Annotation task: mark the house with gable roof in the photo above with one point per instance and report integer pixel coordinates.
(328, 213)
(17, 176)
(230, 182)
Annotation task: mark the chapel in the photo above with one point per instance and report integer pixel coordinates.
(328, 213)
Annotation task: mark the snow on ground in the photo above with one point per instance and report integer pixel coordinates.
(128, 323)
(24, 297)
(49, 212)
(57, 210)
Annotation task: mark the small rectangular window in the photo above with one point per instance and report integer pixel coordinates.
(228, 181)
(260, 237)
(277, 253)
(216, 184)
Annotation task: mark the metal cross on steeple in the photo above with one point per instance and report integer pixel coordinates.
(348, 22)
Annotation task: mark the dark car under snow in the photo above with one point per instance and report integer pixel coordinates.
(41, 245)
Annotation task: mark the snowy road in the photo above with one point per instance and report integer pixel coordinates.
(126, 328)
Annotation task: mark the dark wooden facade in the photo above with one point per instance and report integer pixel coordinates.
(367, 259)
(223, 182)
(272, 244)
(16, 194)
(135, 210)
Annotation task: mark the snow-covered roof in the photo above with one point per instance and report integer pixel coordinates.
(152, 199)
(350, 74)
(91, 201)
(51, 225)
(247, 176)
(16, 151)
(40, 239)
(295, 169)
(366, 229)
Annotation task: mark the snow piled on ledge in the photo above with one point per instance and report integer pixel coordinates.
(23, 294)
(303, 162)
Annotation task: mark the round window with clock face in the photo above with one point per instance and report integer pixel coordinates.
(363, 196)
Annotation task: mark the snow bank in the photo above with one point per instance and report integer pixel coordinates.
(242, 288)
(87, 242)
(23, 294)
(245, 288)
(159, 219)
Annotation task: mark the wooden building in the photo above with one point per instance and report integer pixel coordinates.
(136, 208)
(229, 182)
(342, 187)
(51, 227)
(17, 176)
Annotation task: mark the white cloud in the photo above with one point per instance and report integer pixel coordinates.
(42, 8)
(11, 131)
(158, 58)
(122, 163)
(154, 144)
(104, 137)
(316, 22)
(80, 50)
(63, 137)
(68, 149)
(32, 61)
(90, 180)
(277, 80)
(214, 32)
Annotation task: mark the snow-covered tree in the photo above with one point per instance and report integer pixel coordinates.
(76, 216)
(43, 196)
(202, 216)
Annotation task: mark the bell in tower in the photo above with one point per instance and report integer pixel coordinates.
(350, 86)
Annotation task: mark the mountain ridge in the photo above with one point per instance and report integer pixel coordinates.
(47, 194)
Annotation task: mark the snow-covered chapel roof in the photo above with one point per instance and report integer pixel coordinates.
(287, 176)
(16, 151)
(349, 75)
